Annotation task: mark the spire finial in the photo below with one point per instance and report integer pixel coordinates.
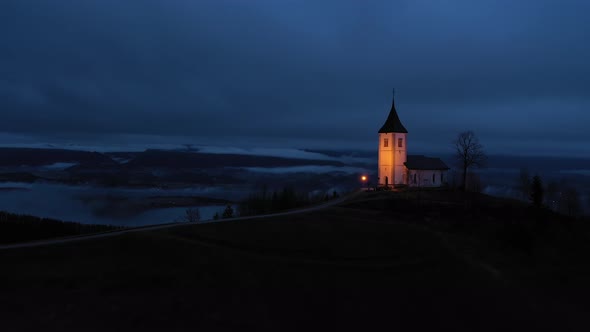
(394, 92)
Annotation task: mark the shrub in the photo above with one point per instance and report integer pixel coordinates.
(228, 212)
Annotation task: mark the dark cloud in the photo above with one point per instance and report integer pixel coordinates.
(514, 71)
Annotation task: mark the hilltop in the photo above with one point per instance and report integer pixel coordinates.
(413, 260)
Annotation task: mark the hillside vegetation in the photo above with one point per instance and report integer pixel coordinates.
(15, 228)
(384, 260)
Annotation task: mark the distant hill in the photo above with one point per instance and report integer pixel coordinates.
(12, 157)
(176, 159)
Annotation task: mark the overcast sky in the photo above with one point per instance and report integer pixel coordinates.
(298, 73)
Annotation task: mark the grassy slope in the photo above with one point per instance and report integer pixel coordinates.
(15, 228)
(382, 260)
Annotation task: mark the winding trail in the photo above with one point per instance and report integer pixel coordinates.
(171, 225)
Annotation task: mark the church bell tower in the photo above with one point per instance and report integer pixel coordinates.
(392, 150)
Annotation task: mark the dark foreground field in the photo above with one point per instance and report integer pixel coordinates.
(382, 261)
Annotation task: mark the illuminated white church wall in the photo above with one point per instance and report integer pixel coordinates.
(396, 168)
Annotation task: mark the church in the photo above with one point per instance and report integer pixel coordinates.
(396, 167)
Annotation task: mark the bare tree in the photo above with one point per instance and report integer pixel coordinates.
(193, 215)
(474, 183)
(536, 191)
(570, 203)
(524, 182)
(228, 212)
(552, 195)
(469, 153)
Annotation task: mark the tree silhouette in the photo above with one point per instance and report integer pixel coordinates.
(524, 183)
(468, 153)
(193, 215)
(537, 191)
(228, 212)
(264, 202)
(552, 195)
(571, 204)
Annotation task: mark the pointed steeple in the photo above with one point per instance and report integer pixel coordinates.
(393, 123)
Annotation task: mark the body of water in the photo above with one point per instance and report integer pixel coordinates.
(71, 203)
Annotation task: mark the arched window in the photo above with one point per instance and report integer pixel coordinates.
(433, 178)
(414, 178)
(441, 177)
(385, 142)
(400, 142)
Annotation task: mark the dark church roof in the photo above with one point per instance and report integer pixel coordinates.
(393, 124)
(425, 163)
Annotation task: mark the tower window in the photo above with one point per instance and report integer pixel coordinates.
(400, 142)
(441, 177)
(414, 178)
(385, 142)
(433, 178)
